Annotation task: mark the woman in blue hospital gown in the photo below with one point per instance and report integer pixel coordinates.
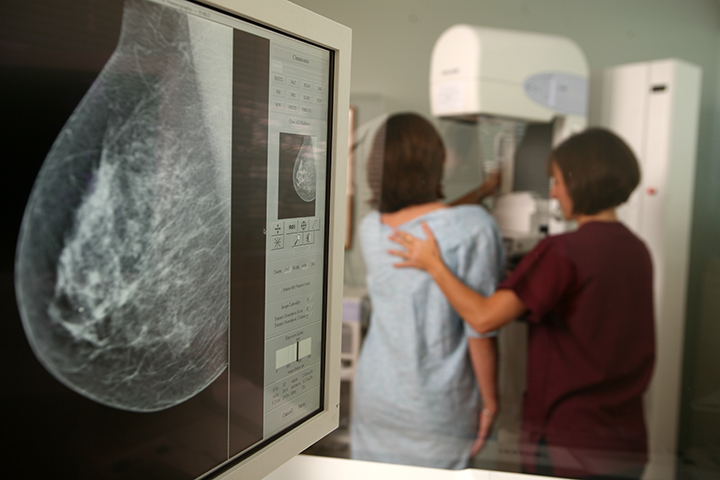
(424, 391)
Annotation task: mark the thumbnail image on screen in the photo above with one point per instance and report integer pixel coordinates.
(297, 179)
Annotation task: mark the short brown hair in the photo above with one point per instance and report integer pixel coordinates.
(599, 168)
(405, 166)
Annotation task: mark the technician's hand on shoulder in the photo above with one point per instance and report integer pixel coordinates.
(417, 253)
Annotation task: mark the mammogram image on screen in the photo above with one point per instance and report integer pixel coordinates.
(297, 182)
(304, 172)
(122, 263)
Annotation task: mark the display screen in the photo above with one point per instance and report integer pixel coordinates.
(165, 266)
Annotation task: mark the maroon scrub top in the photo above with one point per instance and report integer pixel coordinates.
(591, 345)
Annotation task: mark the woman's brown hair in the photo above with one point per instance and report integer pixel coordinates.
(599, 168)
(406, 163)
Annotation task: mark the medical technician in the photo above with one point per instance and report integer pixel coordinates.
(425, 385)
(587, 296)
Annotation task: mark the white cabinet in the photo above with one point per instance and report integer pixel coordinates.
(654, 107)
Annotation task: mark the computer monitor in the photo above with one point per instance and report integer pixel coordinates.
(174, 202)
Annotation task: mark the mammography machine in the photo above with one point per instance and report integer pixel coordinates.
(525, 93)
(503, 80)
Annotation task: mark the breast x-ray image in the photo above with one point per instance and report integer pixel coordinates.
(304, 171)
(122, 262)
(297, 183)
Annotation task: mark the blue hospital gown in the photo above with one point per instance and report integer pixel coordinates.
(415, 398)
